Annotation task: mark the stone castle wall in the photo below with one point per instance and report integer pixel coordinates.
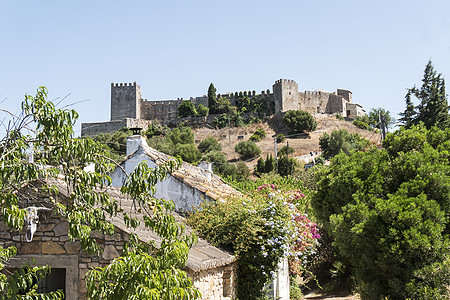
(127, 102)
(93, 129)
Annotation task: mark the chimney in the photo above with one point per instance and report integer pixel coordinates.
(134, 142)
(206, 169)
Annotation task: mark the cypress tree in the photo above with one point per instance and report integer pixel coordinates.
(212, 98)
(433, 106)
(409, 115)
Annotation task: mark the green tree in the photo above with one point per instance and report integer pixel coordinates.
(202, 111)
(408, 117)
(49, 131)
(217, 158)
(341, 140)
(188, 152)
(247, 149)
(258, 135)
(270, 164)
(209, 144)
(433, 107)
(186, 109)
(362, 122)
(387, 210)
(260, 167)
(374, 117)
(212, 98)
(285, 165)
(286, 150)
(181, 135)
(299, 121)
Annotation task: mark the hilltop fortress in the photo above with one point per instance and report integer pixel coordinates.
(129, 109)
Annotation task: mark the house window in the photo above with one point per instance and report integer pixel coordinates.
(54, 281)
(348, 113)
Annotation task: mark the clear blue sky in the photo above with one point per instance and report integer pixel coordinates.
(376, 49)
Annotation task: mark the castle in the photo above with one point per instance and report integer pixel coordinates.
(128, 109)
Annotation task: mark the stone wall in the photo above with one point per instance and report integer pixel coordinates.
(125, 101)
(93, 129)
(355, 110)
(215, 284)
(51, 246)
(164, 111)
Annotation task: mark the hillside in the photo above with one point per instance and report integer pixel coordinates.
(302, 144)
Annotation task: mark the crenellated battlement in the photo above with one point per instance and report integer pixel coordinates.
(122, 84)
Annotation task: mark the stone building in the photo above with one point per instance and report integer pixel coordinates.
(129, 109)
(211, 269)
(187, 186)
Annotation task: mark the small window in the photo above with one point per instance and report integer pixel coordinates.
(348, 113)
(54, 281)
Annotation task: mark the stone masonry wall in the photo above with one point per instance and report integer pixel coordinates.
(51, 240)
(125, 101)
(93, 129)
(210, 283)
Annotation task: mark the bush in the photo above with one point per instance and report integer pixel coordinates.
(341, 140)
(285, 151)
(247, 149)
(154, 129)
(222, 121)
(188, 152)
(286, 166)
(181, 135)
(299, 121)
(202, 111)
(362, 122)
(339, 117)
(259, 230)
(258, 135)
(209, 144)
(280, 138)
(240, 172)
(217, 158)
(186, 109)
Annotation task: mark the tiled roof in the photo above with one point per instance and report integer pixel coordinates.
(193, 176)
(202, 256)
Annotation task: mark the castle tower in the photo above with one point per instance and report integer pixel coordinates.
(125, 101)
(285, 93)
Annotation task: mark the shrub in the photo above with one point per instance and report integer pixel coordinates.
(339, 117)
(341, 140)
(247, 149)
(285, 166)
(260, 230)
(217, 158)
(258, 135)
(362, 122)
(299, 121)
(186, 109)
(280, 138)
(202, 111)
(181, 135)
(188, 152)
(154, 129)
(238, 172)
(285, 151)
(270, 164)
(260, 167)
(222, 121)
(209, 144)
